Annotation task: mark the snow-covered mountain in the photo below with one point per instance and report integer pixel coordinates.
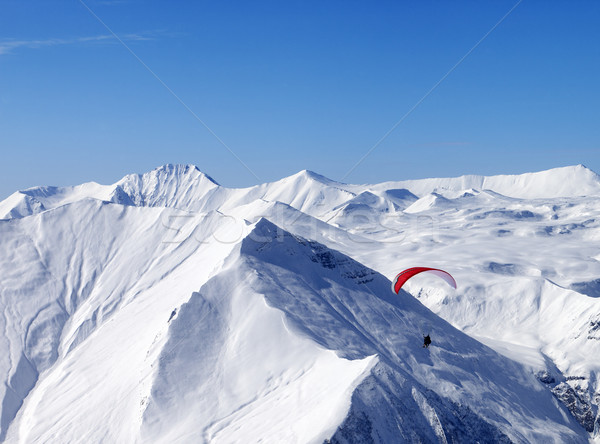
(166, 307)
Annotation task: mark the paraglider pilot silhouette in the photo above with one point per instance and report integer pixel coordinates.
(426, 341)
(405, 275)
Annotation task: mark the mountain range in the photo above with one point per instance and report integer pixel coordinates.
(168, 308)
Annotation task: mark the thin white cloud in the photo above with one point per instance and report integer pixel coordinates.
(9, 45)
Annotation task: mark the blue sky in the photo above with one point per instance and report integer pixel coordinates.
(295, 85)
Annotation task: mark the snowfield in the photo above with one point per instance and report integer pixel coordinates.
(168, 308)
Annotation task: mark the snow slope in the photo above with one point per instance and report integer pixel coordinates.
(166, 307)
(250, 356)
(569, 181)
(68, 272)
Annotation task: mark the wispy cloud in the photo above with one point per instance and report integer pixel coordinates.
(10, 45)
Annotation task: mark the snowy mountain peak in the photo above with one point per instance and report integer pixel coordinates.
(169, 173)
(179, 170)
(582, 168)
(274, 244)
(311, 177)
(432, 200)
(168, 185)
(346, 307)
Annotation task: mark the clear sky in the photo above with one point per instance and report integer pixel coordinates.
(292, 85)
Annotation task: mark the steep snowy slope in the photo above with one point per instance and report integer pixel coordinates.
(519, 264)
(67, 273)
(262, 376)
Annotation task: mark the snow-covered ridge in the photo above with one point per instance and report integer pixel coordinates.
(168, 185)
(317, 297)
(187, 188)
(568, 181)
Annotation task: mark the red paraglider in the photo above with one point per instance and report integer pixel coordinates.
(405, 275)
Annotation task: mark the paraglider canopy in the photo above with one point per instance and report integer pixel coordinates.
(405, 275)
